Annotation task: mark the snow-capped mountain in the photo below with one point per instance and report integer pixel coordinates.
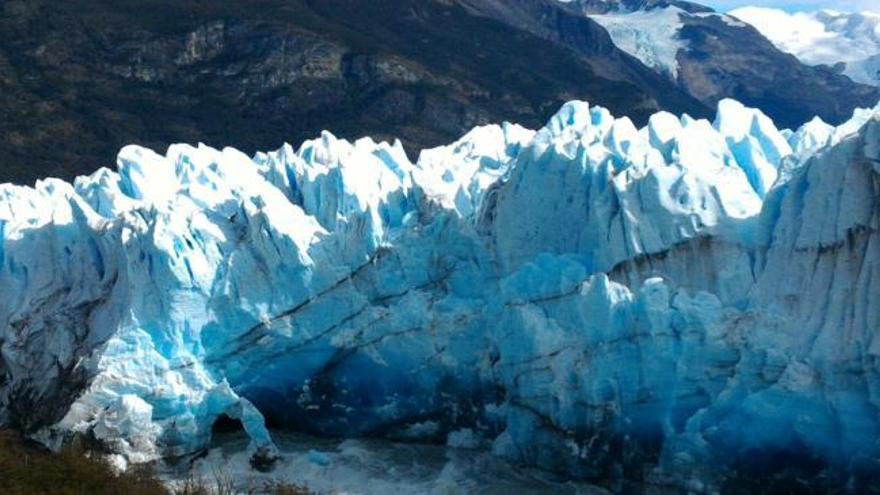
(848, 40)
(680, 303)
(712, 56)
(652, 31)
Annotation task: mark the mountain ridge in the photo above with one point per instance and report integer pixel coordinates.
(100, 76)
(94, 78)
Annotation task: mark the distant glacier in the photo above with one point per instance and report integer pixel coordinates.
(693, 304)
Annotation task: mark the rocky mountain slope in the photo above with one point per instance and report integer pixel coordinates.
(689, 304)
(78, 81)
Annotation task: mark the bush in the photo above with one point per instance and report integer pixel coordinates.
(28, 469)
(223, 485)
(284, 489)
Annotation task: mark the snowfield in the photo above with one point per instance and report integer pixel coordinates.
(823, 37)
(649, 35)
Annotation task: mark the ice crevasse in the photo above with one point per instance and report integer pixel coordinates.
(605, 302)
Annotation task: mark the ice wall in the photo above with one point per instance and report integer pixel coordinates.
(662, 304)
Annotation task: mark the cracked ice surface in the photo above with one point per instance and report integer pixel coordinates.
(592, 299)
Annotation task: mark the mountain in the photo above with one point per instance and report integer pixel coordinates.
(591, 7)
(78, 82)
(713, 56)
(689, 304)
(849, 42)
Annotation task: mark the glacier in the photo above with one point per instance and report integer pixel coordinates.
(651, 31)
(649, 35)
(691, 304)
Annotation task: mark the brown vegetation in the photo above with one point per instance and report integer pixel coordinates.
(29, 469)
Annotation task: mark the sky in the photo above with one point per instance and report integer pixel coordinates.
(797, 5)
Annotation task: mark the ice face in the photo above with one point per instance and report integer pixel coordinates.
(456, 176)
(687, 294)
(633, 193)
